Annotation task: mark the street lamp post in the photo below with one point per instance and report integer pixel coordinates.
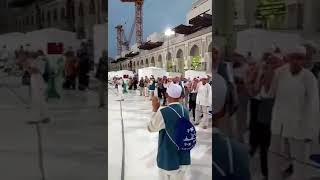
(168, 33)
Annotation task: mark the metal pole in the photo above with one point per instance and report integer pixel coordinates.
(123, 145)
(40, 146)
(40, 151)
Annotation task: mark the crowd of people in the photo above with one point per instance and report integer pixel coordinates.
(195, 95)
(47, 77)
(276, 99)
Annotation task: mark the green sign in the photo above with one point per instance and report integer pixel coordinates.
(270, 8)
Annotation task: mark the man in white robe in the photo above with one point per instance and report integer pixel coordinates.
(203, 102)
(296, 111)
(120, 88)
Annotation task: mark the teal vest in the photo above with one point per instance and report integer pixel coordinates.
(169, 158)
(233, 166)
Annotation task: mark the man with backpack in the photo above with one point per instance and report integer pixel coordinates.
(177, 135)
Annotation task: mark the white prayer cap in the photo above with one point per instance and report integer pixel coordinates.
(204, 77)
(297, 50)
(236, 51)
(174, 91)
(277, 55)
(312, 44)
(252, 60)
(269, 50)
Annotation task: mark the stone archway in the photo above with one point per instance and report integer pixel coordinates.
(134, 65)
(80, 29)
(130, 66)
(147, 63)
(207, 65)
(160, 63)
(141, 64)
(152, 63)
(70, 14)
(169, 62)
(194, 52)
(138, 64)
(210, 47)
(180, 61)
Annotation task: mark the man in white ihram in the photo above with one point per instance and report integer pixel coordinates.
(296, 111)
(204, 101)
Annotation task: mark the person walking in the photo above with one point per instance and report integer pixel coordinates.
(186, 86)
(125, 84)
(4, 56)
(39, 107)
(165, 86)
(260, 131)
(120, 88)
(152, 87)
(203, 102)
(135, 82)
(84, 67)
(59, 75)
(173, 163)
(71, 70)
(141, 86)
(102, 76)
(160, 87)
(146, 87)
(193, 98)
(297, 129)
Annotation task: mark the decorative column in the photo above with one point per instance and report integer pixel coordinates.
(189, 61)
(310, 16)
(239, 12)
(208, 59)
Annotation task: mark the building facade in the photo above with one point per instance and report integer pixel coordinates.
(179, 52)
(297, 14)
(176, 54)
(72, 15)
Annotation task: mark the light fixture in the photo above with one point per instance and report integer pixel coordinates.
(169, 32)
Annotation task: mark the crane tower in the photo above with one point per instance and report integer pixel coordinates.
(138, 19)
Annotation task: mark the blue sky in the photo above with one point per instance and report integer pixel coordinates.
(158, 15)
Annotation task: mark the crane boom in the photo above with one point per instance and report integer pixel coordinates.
(138, 19)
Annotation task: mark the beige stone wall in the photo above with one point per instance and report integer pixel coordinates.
(23, 20)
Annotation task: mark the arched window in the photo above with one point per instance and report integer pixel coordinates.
(55, 14)
(49, 18)
(43, 18)
(81, 11)
(62, 13)
(104, 5)
(32, 20)
(92, 7)
(27, 20)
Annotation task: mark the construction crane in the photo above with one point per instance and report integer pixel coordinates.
(122, 40)
(138, 19)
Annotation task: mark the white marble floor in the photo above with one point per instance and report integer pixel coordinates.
(141, 146)
(74, 142)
